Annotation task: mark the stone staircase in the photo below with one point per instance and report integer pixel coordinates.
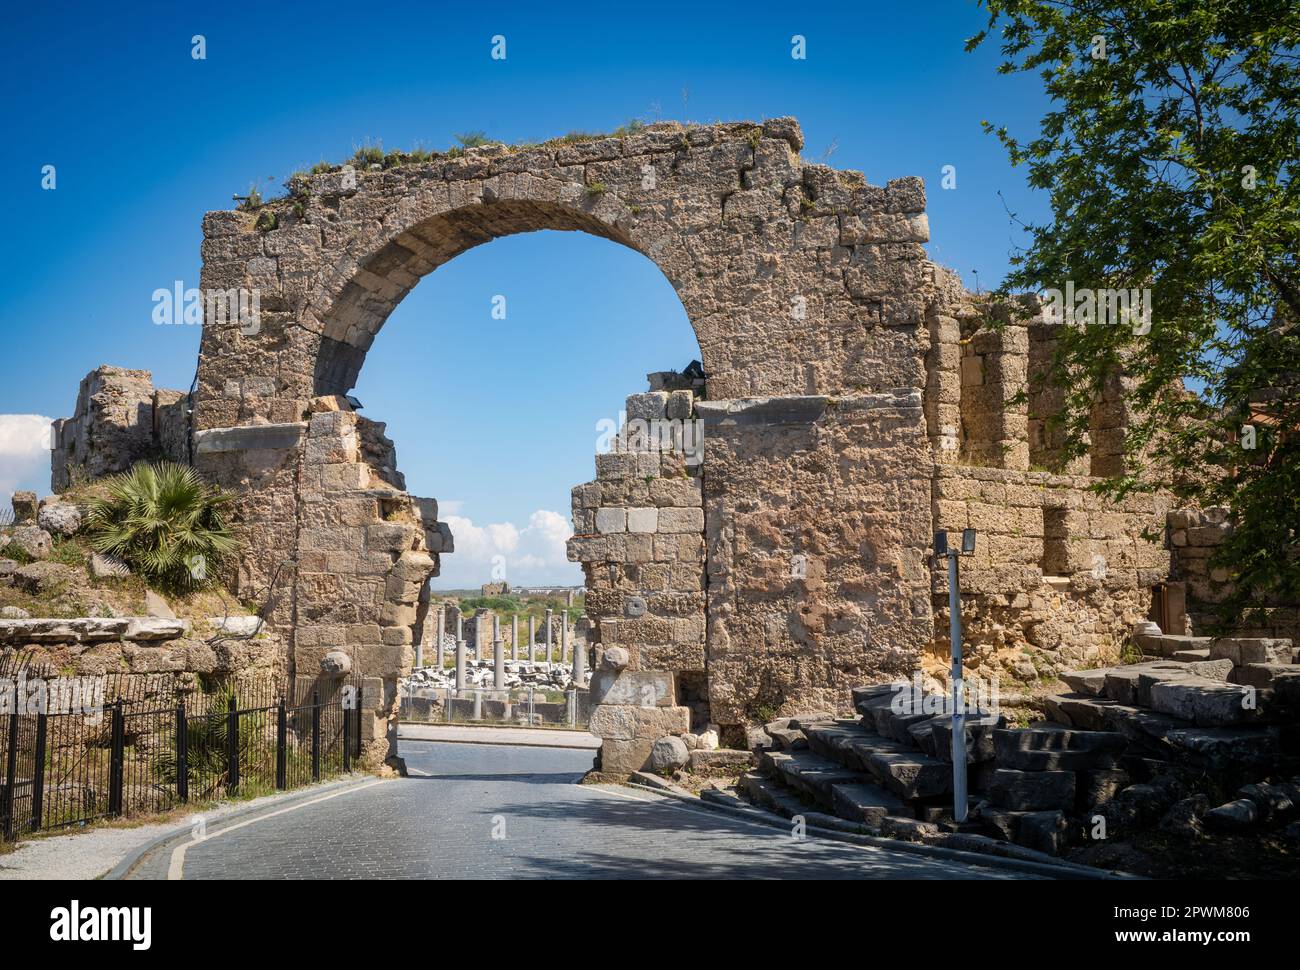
(1230, 708)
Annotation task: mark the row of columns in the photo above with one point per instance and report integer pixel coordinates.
(578, 658)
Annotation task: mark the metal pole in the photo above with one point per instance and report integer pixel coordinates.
(958, 693)
(315, 736)
(564, 637)
(38, 772)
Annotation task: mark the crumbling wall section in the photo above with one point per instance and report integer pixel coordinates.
(119, 419)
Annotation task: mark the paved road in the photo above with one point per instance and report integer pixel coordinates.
(488, 812)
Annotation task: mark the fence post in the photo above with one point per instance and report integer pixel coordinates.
(232, 746)
(38, 772)
(359, 707)
(347, 739)
(116, 759)
(281, 746)
(182, 754)
(315, 736)
(11, 768)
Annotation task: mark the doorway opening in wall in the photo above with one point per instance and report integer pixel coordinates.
(499, 377)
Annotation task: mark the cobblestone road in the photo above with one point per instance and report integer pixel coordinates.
(487, 812)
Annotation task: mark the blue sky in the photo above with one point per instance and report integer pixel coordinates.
(494, 418)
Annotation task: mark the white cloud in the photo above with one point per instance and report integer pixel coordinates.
(533, 555)
(24, 454)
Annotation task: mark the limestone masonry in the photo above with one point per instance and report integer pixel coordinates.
(849, 408)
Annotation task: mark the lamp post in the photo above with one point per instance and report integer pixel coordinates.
(941, 548)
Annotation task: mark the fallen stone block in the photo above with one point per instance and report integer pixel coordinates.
(1088, 713)
(1234, 816)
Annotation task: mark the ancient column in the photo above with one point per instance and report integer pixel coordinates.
(499, 663)
(460, 664)
(579, 667)
(442, 628)
(532, 639)
(514, 636)
(564, 637)
(548, 634)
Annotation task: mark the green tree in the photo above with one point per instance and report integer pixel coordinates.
(1167, 151)
(165, 522)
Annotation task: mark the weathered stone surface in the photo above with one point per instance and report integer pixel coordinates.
(43, 577)
(25, 508)
(1032, 791)
(1233, 816)
(59, 518)
(640, 688)
(336, 662)
(628, 722)
(33, 541)
(668, 754)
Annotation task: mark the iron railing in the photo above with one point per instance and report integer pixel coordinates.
(69, 767)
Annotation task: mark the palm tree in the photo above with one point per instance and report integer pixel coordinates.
(165, 522)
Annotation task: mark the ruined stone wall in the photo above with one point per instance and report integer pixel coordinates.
(639, 534)
(118, 420)
(817, 520)
(1194, 535)
(1059, 575)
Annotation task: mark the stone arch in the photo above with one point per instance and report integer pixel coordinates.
(805, 287)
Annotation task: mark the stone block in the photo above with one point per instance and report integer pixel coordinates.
(639, 688)
(1032, 791)
(644, 520)
(626, 721)
(681, 520)
(609, 520)
(651, 406)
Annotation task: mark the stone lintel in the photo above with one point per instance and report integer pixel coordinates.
(255, 437)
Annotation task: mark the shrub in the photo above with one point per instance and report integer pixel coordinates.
(165, 522)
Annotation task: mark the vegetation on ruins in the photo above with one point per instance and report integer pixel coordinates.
(1168, 153)
(165, 522)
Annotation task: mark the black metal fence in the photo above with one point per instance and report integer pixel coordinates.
(67, 764)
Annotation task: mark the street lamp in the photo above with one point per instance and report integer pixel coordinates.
(941, 548)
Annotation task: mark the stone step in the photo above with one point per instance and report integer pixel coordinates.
(1045, 831)
(1032, 791)
(837, 741)
(1166, 645)
(770, 794)
(1190, 656)
(863, 694)
(893, 723)
(788, 739)
(1263, 676)
(867, 803)
(808, 773)
(1253, 650)
(1056, 748)
(910, 774)
(979, 736)
(1090, 683)
(1205, 702)
(1079, 710)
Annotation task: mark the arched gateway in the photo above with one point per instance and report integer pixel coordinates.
(821, 325)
